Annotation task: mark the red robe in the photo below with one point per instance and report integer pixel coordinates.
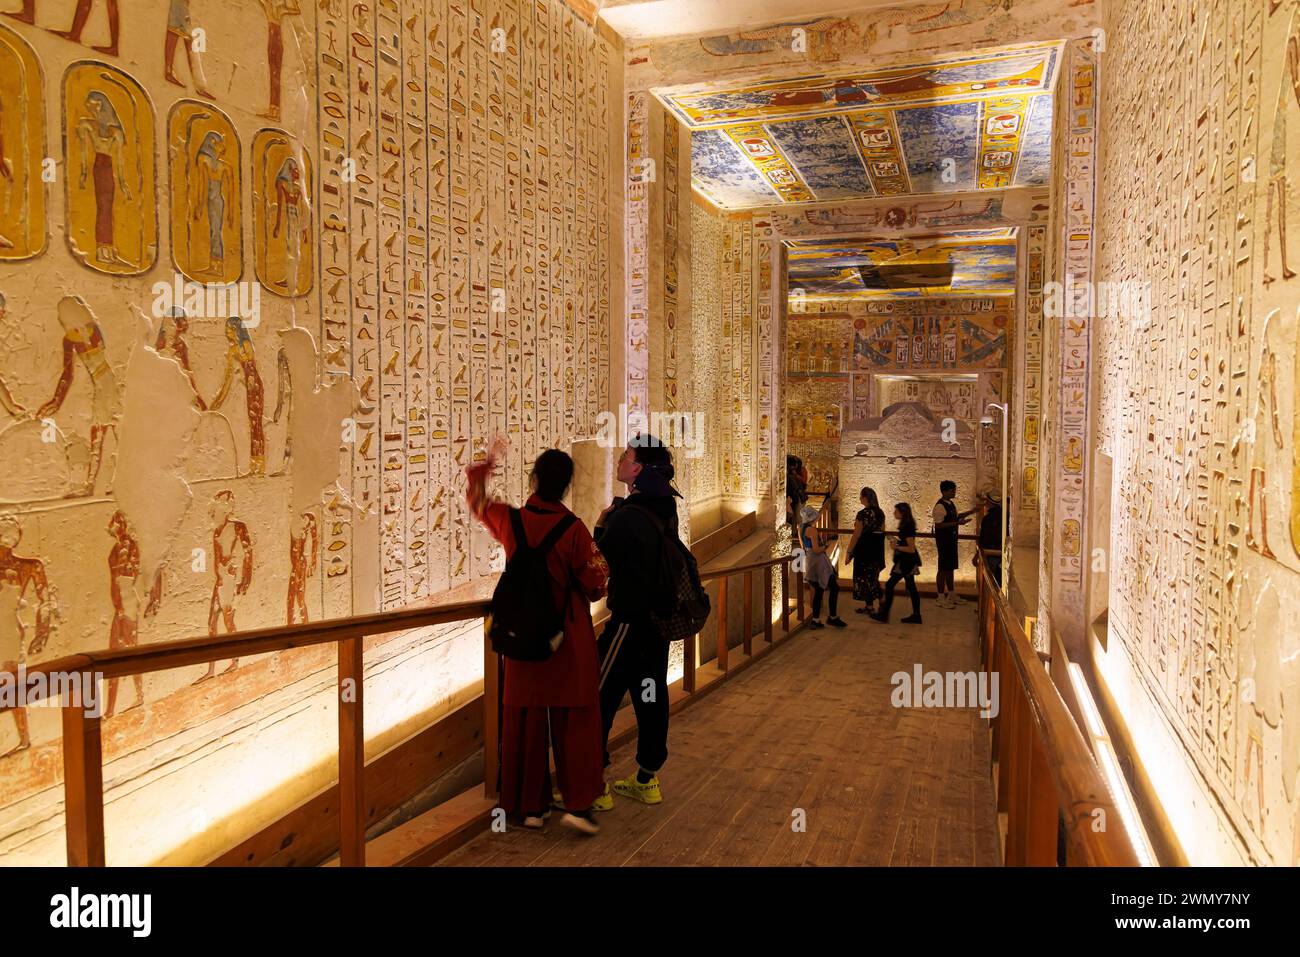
(570, 677)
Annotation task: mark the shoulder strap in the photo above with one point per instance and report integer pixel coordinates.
(517, 526)
(558, 529)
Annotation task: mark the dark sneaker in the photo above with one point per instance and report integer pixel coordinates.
(911, 620)
(815, 623)
(837, 622)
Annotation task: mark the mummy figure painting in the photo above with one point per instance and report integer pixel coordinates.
(214, 196)
(124, 575)
(205, 214)
(22, 149)
(83, 340)
(108, 136)
(102, 142)
(283, 248)
(241, 361)
(24, 593)
(289, 220)
(180, 31)
(232, 570)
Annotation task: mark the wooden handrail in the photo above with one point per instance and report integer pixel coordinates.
(1046, 773)
(83, 773)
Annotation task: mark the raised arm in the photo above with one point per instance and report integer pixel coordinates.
(64, 383)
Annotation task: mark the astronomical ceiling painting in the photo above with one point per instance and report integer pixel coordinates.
(970, 262)
(956, 124)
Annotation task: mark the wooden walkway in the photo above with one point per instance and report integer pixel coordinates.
(810, 728)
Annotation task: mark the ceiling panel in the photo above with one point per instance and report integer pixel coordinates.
(954, 124)
(973, 262)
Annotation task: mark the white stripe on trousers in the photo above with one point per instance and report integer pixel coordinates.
(615, 644)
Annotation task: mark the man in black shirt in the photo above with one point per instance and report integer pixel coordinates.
(990, 535)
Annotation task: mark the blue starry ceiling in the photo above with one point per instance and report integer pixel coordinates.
(968, 262)
(958, 124)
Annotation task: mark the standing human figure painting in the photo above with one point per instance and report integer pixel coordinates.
(240, 358)
(103, 142)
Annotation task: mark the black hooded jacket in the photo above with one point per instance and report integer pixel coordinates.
(632, 546)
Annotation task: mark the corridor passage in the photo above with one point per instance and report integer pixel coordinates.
(809, 727)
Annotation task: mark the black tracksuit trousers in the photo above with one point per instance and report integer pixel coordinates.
(634, 660)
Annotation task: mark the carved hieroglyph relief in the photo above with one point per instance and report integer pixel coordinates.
(419, 195)
(1199, 406)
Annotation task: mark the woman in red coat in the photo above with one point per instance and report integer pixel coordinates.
(557, 700)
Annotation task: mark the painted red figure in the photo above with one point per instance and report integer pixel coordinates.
(27, 577)
(557, 698)
(232, 567)
(123, 570)
(304, 549)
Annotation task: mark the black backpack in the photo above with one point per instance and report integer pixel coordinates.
(524, 623)
(682, 606)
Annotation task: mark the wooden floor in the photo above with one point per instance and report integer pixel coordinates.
(809, 728)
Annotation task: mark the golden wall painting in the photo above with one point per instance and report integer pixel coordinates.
(205, 184)
(110, 170)
(282, 216)
(22, 148)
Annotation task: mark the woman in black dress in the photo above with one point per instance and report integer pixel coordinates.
(868, 550)
(907, 562)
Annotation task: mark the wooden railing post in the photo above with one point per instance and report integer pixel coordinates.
(767, 604)
(749, 613)
(798, 596)
(688, 664)
(722, 624)
(352, 755)
(83, 786)
(491, 716)
(785, 597)
(1042, 813)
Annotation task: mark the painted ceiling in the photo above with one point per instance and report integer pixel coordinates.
(971, 262)
(956, 124)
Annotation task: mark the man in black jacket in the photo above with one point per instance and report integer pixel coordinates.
(633, 655)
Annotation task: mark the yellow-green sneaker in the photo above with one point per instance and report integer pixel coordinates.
(630, 787)
(604, 802)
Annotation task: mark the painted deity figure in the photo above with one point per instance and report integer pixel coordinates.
(1265, 423)
(1278, 161)
(83, 340)
(176, 346)
(123, 575)
(290, 201)
(276, 11)
(22, 582)
(180, 31)
(103, 144)
(232, 568)
(240, 358)
(304, 549)
(214, 196)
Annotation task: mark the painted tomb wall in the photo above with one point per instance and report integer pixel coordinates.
(419, 205)
(1198, 416)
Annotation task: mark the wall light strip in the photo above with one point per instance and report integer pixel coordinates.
(1109, 762)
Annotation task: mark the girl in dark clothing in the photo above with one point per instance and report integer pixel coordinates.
(907, 562)
(868, 550)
